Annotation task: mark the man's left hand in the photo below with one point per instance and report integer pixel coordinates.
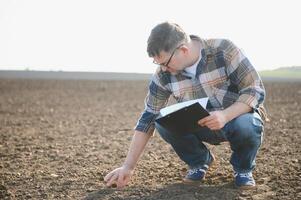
(215, 121)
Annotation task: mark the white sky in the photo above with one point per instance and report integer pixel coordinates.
(96, 35)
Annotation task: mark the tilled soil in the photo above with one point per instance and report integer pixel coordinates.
(58, 139)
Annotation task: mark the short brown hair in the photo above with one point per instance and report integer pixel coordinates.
(165, 37)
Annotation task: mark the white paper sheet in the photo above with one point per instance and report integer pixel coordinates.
(169, 109)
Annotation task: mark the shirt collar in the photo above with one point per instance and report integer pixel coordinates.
(207, 52)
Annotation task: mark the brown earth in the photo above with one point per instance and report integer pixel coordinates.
(58, 139)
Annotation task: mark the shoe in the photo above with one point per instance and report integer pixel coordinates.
(244, 180)
(196, 175)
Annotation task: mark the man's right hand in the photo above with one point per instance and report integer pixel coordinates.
(119, 176)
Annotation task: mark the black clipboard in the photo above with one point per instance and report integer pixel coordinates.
(184, 120)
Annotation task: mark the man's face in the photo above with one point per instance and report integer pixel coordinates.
(170, 62)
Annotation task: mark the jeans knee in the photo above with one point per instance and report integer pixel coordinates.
(163, 132)
(248, 127)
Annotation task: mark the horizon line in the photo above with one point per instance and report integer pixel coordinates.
(123, 72)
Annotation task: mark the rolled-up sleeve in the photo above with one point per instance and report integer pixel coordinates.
(156, 98)
(242, 73)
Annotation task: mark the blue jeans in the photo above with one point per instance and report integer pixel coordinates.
(244, 134)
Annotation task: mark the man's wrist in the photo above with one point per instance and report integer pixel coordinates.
(227, 116)
(128, 166)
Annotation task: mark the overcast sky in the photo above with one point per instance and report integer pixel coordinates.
(96, 35)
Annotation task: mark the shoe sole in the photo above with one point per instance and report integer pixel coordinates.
(197, 182)
(192, 182)
(246, 187)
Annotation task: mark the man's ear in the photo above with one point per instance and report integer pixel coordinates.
(184, 48)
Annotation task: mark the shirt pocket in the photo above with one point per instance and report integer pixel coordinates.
(183, 94)
(216, 84)
(223, 95)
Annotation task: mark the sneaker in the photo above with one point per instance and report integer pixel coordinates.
(196, 175)
(244, 180)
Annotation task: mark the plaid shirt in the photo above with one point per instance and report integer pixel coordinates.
(224, 74)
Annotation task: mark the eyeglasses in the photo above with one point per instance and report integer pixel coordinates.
(168, 61)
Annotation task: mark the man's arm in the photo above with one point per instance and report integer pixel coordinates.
(156, 98)
(250, 88)
(121, 176)
(236, 109)
(137, 146)
(217, 119)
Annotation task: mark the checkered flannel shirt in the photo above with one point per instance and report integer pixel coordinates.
(224, 74)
